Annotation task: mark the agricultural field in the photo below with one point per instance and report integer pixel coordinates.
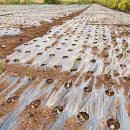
(64, 67)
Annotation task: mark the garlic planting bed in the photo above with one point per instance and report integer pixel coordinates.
(9, 31)
(12, 16)
(86, 61)
(32, 15)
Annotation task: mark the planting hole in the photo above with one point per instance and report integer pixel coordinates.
(76, 40)
(16, 60)
(18, 50)
(78, 59)
(49, 81)
(12, 99)
(48, 47)
(81, 51)
(107, 63)
(28, 52)
(116, 49)
(35, 104)
(83, 116)
(58, 66)
(122, 65)
(88, 90)
(73, 44)
(68, 85)
(70, 50)
(51, 55)
(39, 53)
(43, 64)
(7, 60)
(34, 40)
(107, 76)
(73, 69)
(58, 48)
(90, 72)
(37, 45)
(65, 57)
(126, 78)
(93, 61)
(114, 124)
(63, 43)
(109, 92)
(25, 44)
(57, 110)
(128, 51)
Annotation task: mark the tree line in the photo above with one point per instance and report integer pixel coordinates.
(123, 5)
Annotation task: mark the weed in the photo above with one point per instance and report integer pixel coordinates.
(29, 72)
(1, 67)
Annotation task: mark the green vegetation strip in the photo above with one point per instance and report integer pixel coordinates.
(123, 5)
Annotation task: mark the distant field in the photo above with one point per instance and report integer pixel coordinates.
(122, 5)
(21, 1)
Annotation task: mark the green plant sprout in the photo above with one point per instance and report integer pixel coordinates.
(121, 54)
(75, 63)
(29, 72)
(109, 73)
(1, 67)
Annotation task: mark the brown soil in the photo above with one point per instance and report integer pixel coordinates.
(7, 107)
(21, 71)
(29, 33)
(74, 124)
(3, 85)
(35, 118)
(11, 102)
(62, 77)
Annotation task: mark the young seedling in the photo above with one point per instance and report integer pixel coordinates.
(121, 54)
(29, 72)
(108, 75)
(1, 67)
(75, 64)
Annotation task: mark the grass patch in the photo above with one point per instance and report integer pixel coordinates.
(2, 67)
(29, 72)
